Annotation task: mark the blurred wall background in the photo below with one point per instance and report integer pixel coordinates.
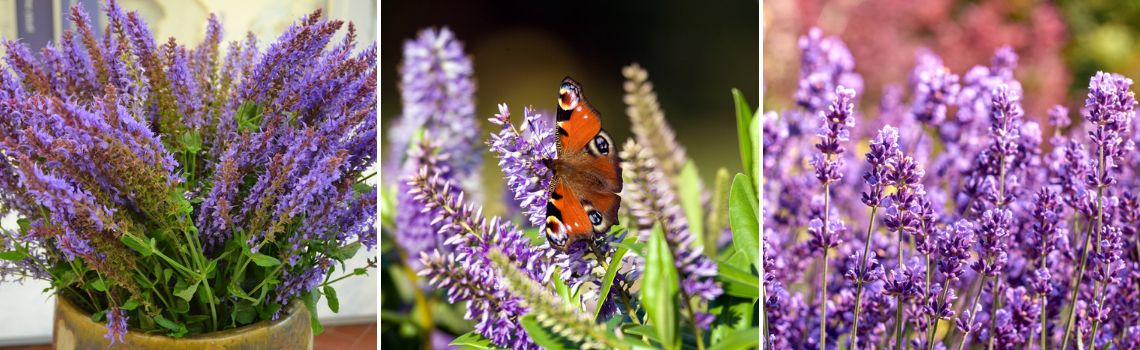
(26, 312)
(695, 54)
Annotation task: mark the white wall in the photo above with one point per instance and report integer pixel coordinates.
(26, 313)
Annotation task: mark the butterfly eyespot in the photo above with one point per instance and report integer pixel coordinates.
(602, 145)
(555, 232)
(595, 217)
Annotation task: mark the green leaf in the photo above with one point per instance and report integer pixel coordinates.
(689, 193)
(168, 324)
(744, 339)
(191, 141)
(743, 215)
(475, 340)
(196, 319)
(635, 248)
(244, 312)
(130, 304)
(210, 267)
(98, 316)
(754, 133)
(311, 297)
(737, 282)
(96, 284)
(348, 251)
(269, 310)
(608, 278)
(334, 304)
(265, 260)
(743, 120)
(560, 286)
(180, 306)
(166, 274)
(25, 225)
(138, 244)
(546, 337)
(187, 292)
(659, 290)
(12, 256)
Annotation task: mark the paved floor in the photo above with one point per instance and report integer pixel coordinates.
(344, 337)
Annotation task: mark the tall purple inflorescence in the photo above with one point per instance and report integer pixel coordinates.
(438, 94)
(467, 273)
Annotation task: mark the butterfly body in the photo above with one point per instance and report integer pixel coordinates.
(584, 196)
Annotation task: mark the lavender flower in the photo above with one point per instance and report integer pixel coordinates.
(825, 64)
(936, 90)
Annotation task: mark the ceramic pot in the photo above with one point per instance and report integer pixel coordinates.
(74, 330)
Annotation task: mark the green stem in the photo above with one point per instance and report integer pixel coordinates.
(823, 304)
(997, 306)
(972, 310)
(859, 279)
(1073, 287)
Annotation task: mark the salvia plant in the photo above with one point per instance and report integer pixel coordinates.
(187, 190)
(949, 220)
(680, 271)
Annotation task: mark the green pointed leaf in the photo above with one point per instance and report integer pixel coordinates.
(737, 282)
(96, 284)
(743, 215)
(265, 260)
(98, 316)
(186, 293)
(311, 297)
(745, 339)
(660, 288)
(130, 304)
(743, 121)
(334, 303)
(12, 256)
(689, 193)
(608, 278)
(25, 225)
(474, 340)
(754, 133)
(136, 243)
(546, 337)
(177, 329)
(560, 286)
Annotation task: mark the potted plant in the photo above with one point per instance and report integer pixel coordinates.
(198, 193)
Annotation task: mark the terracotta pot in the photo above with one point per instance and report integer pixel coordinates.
(74, 330)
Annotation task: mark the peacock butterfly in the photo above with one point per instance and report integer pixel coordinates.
(584, 190)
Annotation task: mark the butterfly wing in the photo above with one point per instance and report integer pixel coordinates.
(587, 175)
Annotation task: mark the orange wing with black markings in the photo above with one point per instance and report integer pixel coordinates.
(584, 199)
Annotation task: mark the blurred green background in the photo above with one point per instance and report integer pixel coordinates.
(695, 55)
(1061, 44)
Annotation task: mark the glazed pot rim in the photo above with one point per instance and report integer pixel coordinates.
(288, 313)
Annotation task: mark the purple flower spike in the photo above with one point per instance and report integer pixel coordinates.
(521, 159)
(116, 324)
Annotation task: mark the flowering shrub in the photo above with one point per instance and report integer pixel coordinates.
(681, 272)
(184, 191)
(961, 225)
